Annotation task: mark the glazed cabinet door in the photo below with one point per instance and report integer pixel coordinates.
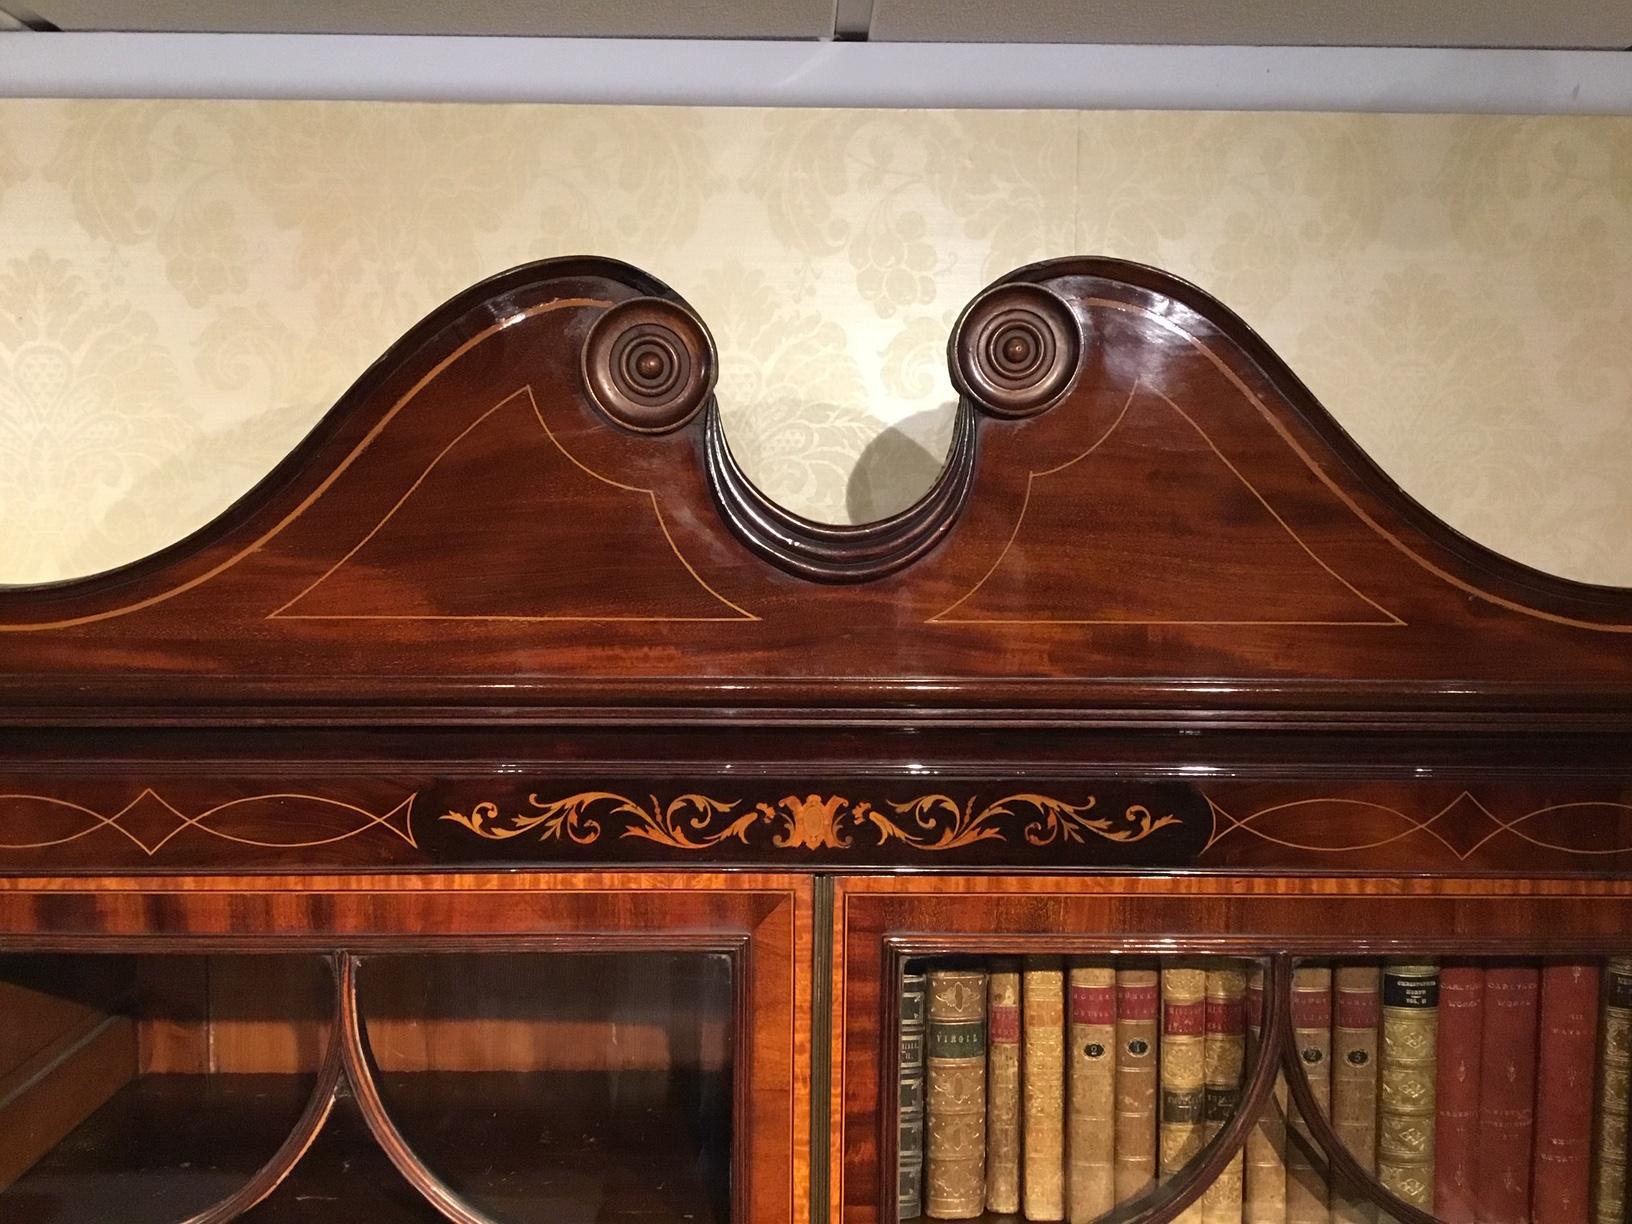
(1221, 1050)
(539, 1051)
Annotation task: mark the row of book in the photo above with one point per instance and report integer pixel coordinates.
(1486, 1092)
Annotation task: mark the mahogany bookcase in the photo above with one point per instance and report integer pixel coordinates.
(506, 730)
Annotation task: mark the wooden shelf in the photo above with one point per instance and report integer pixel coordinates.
(160, 1148)
(558, 1147)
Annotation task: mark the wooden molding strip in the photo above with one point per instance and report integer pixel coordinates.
(272, 1174)
(352, 1037)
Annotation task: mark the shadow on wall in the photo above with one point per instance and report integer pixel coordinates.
(898, 466)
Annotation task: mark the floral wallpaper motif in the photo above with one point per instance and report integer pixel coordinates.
(186, 286)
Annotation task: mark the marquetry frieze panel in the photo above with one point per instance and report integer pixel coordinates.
(855, 823)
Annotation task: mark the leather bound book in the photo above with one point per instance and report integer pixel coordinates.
(1356, 1013)
(1090, 1189)
(955, 1105)
(1264, 1158)
(1507, 1093)
(1614, 1064)
(910, 1198)
(1561, 1177)
(1138, 999)
(1407, 1073)
(1457, 1086)
(1306, 1187)
(1003, 1088)
(1042, 1047)
(1223, 1057)
(1182, 1106)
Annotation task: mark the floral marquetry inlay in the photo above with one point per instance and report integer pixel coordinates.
(931, 822)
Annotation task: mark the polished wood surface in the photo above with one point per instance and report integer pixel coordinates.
(510, 655)
(476, 529)
(762, 923)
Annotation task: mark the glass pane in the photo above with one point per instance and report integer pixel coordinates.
(1296, 1185)
(1489, 1090)
(1068, 1087)
(145, 1089)
(561, 1087)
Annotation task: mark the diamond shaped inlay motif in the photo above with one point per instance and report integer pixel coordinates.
(1464, 825)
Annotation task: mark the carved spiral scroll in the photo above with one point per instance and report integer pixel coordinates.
(649, 364)
(1015, 349)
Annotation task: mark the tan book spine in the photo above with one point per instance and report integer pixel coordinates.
(1042, 1047)
(1407, 1070)
(1182, 1105)
(1306, 1186)
(1224, 1053)
(1614, 1072)
(955, 1106)
(1003, 1088)
(1138, 1004)
(1090, 1190)
(1356, 1013)
(1264, 1166)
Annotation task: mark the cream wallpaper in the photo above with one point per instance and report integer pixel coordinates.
(186, 286)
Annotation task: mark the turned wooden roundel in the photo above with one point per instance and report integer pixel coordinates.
(649, 364)
(1015, 349)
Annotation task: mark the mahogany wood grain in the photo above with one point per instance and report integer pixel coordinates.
(510, 654)
(1181, 529)
(764, 920)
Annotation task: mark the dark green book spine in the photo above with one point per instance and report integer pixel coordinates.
(911, 1193)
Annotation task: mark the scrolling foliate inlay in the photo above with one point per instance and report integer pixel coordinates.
(931, 822)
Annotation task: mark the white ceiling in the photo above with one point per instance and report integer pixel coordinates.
(1601, 24)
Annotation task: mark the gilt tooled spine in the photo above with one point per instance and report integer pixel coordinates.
(1264, 1169)
(910, 1199)
(1042, 1052)
(1223, 1058)
(1561, 1177)
(1138, 1004)
(1356, 1013)
(1090, 1189)
(1461, 1044)
(1405, 1093)
(1306, 1185)
(955, 1108)
(1183, 1101)
(1003, 1089)
(1507, 1093)
(1614, 1070)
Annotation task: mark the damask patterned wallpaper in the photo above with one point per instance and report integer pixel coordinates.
(186, 286)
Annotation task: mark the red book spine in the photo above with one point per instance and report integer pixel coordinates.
(1561, 1175)
(1507, 1093)
(1456, 1092)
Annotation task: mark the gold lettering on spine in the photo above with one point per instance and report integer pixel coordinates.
(1408, 1068)
(1184, 1084)
(955, 1106)
(1223, 1059)
(1091, 1124)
